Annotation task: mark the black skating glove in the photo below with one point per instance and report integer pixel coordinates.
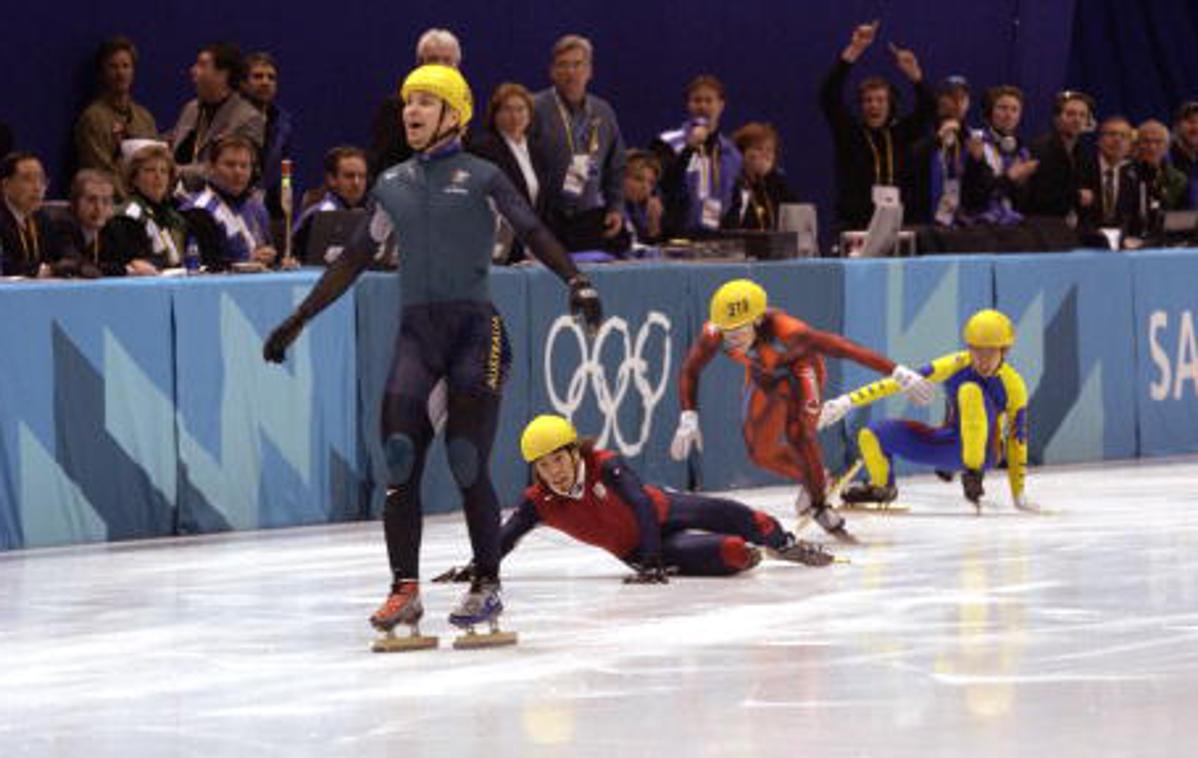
(463, 574)
(971, 483)
(275, 349)
(650, 572)
(584, 303)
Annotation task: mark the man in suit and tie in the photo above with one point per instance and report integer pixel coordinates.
(26, 232)
(217, 111)
(1108, 179)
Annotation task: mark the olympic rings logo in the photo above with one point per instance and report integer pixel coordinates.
(632, 373)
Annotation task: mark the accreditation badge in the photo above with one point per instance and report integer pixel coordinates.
(712, 212)
(577, 174)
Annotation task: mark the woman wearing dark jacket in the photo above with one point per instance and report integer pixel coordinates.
(506, 142)
(146, 234)
(760, 189)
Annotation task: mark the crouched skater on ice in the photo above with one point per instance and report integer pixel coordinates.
(592, 495)
(986, 421)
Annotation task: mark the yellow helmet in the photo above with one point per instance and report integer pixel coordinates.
(737, 303)
(544, 434)
(989, 328)
(444, 82)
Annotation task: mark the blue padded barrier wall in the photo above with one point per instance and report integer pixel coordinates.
(143, 408)
(1166, 304)
(910, 311)
(622, 387)
(87, 441)
(263, 445)
(1075, 350)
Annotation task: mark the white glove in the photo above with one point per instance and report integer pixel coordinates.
(1022, 503)
(834, 410)
(914, 385)
(687, 436)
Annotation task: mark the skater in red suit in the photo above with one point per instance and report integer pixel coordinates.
(784, 383)
(592, 495)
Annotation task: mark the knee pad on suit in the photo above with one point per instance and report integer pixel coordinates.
(401, 458)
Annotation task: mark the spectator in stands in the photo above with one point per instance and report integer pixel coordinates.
(760, 189)
(344, 190)
(1157, 185)
(998, 165)
(942, 158)
(228, 220)
(1184, 153)
(261, 88)
(147, 234)
(388, 142)
(699, 163)
(580, 145)
(82, 243)
(643, 208)
(1055, 189)
(505, 142)
(875, 150)
(1108, 178)
(113, 116)
(26, 232)
(217, 111)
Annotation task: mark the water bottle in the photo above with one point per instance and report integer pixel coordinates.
(191, 258)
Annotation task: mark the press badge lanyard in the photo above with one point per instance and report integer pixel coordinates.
(873, 148)
(567, 122)
(709, 176)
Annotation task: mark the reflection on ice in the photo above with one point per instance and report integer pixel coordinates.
(947, 634)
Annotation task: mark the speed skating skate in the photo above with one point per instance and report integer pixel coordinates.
(480, 605)
(801, 551)
(863, 497)
(828, 519)
(402, 606)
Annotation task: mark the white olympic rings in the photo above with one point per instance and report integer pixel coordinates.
(632, 372)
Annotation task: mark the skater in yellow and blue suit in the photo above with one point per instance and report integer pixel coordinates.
(985, 422)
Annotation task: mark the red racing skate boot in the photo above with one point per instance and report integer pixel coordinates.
(402, 606)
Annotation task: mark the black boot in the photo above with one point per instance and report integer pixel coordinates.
(864, 492)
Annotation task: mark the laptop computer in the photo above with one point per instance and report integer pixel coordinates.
(800, 219)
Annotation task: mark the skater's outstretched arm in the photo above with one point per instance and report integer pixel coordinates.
(584, 298)
(935, 372)
(336, 279)
(616, 474)
(1016, 431)
(697, 358)
(808, 339)
(522, 521)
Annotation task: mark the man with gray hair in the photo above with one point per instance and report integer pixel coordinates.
(1156, 185)
(582, 151)
(388, 143)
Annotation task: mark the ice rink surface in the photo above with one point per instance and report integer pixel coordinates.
(1069, 634)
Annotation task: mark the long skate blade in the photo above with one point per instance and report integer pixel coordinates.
(471, 640)
(837, 484)
(391, 643)
(874, 507)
